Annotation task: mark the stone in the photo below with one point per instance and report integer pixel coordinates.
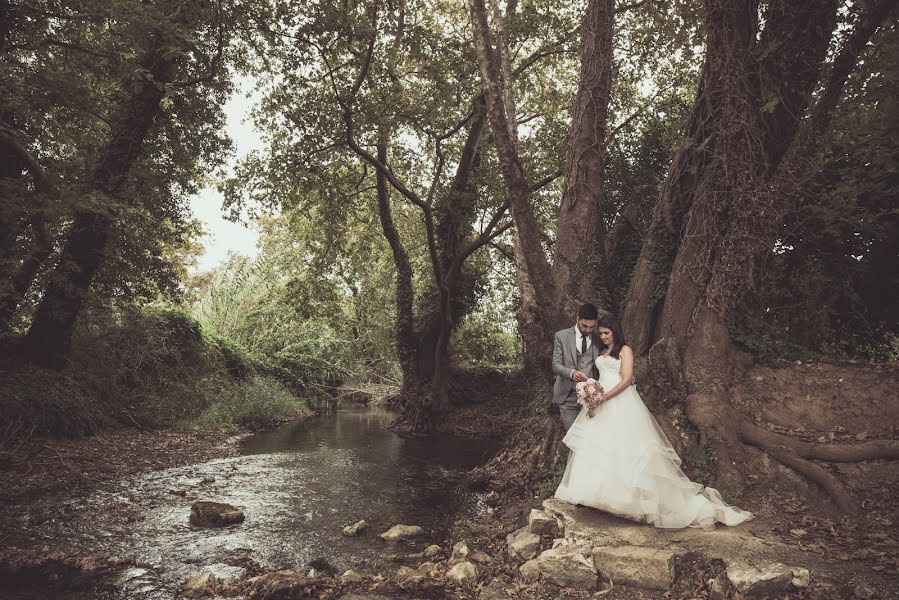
(428, 569)
(350, 576)
(541, 523)
(766, 580)
(460, 552)
(198, 585)
(432, 551)
(355, 529)
(530, 571)
(279, 584)
(522, 545)
(801, 578)
(648, 568)
(569, 566)
(214, 514)
(482, 558)
(402, 532)
(464, 574)
(495, 590)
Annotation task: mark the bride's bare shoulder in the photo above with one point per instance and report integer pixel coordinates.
(627, 350)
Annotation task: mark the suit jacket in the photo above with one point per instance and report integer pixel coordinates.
(565, 352)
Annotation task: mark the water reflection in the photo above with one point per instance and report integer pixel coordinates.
(299, 486)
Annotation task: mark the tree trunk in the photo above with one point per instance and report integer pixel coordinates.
(718, 209)
(579, 263)
(405, 295)
(49, 338)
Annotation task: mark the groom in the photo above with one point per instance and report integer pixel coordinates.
(574, 351)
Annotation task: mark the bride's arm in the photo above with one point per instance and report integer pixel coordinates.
(627, 373)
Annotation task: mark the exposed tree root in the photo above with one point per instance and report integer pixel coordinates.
(798, 455)
(710, 412)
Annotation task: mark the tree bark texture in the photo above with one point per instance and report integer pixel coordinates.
(718, 208)
(527, 232)
(579, 262)
(49, 338)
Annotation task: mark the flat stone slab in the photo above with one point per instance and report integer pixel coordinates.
(641, 555)
(650, 568)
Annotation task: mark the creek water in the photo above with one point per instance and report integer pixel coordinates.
(298, 486)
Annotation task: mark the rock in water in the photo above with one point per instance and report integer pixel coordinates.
(214, 514)
(402, 532)
(198, 585)
(355, 529)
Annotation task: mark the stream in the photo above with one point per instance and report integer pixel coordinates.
(298, 486)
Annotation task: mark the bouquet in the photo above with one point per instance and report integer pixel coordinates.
(589, 394)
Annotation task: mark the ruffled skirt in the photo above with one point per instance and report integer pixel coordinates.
(622, 463)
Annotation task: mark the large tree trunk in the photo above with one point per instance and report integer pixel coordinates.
(405, 294)
(718, 209)
(550, 295)
(579, 262)
(49, 338)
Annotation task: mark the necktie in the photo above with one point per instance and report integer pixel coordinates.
(583, 343)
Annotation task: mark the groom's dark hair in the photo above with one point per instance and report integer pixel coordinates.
(588, 311)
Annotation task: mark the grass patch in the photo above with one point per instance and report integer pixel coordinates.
(150, 368)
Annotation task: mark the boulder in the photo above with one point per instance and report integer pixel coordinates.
(569, 566)
(214, 514)
(541, 523)
(461, 551)
(530, 571)
(522, 545)
(402, 532)
(198, 586)
(464, 574)
(648, 568)
(766, 580)
(432, 551)
(355, 529)
(428, 569)
(350, 576)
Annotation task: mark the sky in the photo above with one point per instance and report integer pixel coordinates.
(225, 236)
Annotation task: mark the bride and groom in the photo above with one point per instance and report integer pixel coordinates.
(620, 461)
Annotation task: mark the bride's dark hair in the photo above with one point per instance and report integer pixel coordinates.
(612, 323)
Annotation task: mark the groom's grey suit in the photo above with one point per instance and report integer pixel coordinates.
(567, 356)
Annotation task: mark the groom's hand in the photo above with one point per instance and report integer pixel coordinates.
(578, 376)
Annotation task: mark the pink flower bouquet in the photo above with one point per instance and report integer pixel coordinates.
(590, 394)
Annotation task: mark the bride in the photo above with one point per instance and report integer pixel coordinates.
(622, 463)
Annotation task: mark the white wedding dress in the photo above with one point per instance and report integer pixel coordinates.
(622, 463)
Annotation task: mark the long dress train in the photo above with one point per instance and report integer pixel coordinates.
(622, 463)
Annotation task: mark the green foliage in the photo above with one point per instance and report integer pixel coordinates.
(151, 367)
(255, 403)
(253, 305)
(830, 285)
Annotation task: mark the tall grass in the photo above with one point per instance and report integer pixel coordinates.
(149, 367)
